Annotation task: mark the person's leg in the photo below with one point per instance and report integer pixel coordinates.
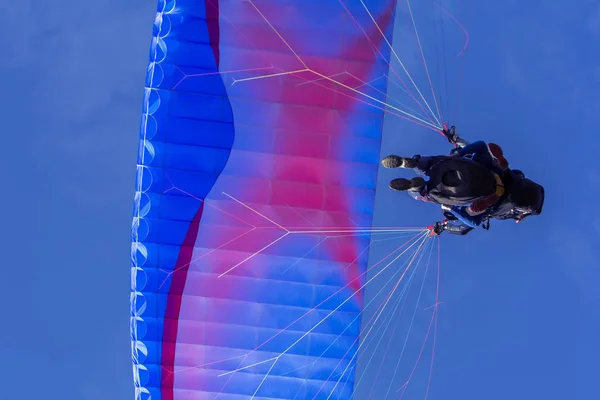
(490, 155)
(498, 154)
(424, 164)
(457, 229)
(394, 161)
(419, 195)
(401, 185)
(480, 205)
(472, 148)
(421, 165)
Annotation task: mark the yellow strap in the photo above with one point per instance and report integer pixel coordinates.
(499, 186)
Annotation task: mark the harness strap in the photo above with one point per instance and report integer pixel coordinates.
(499, 185)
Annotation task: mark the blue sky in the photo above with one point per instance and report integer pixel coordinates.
(520, 316)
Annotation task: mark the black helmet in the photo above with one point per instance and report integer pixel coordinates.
(527, 197)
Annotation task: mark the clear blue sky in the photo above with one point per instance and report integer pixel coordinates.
(520, 318)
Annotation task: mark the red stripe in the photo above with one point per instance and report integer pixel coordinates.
(171, 317)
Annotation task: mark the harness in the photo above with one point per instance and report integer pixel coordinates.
(511, 206)
(460, 181)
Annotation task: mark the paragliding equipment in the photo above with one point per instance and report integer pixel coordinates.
(254, 205)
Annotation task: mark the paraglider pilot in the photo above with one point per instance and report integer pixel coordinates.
(472, 184)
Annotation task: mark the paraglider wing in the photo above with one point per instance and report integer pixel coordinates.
(253, 144)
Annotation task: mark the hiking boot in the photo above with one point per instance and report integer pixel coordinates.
(399, 162)
(401, 184)
(496, 152)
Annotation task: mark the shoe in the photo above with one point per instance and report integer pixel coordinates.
(399, 162)
(480, 205)
(401, 184)
(496, 152)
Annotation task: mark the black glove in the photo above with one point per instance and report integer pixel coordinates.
(454, 152)
(450, 134)
(438, 227)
